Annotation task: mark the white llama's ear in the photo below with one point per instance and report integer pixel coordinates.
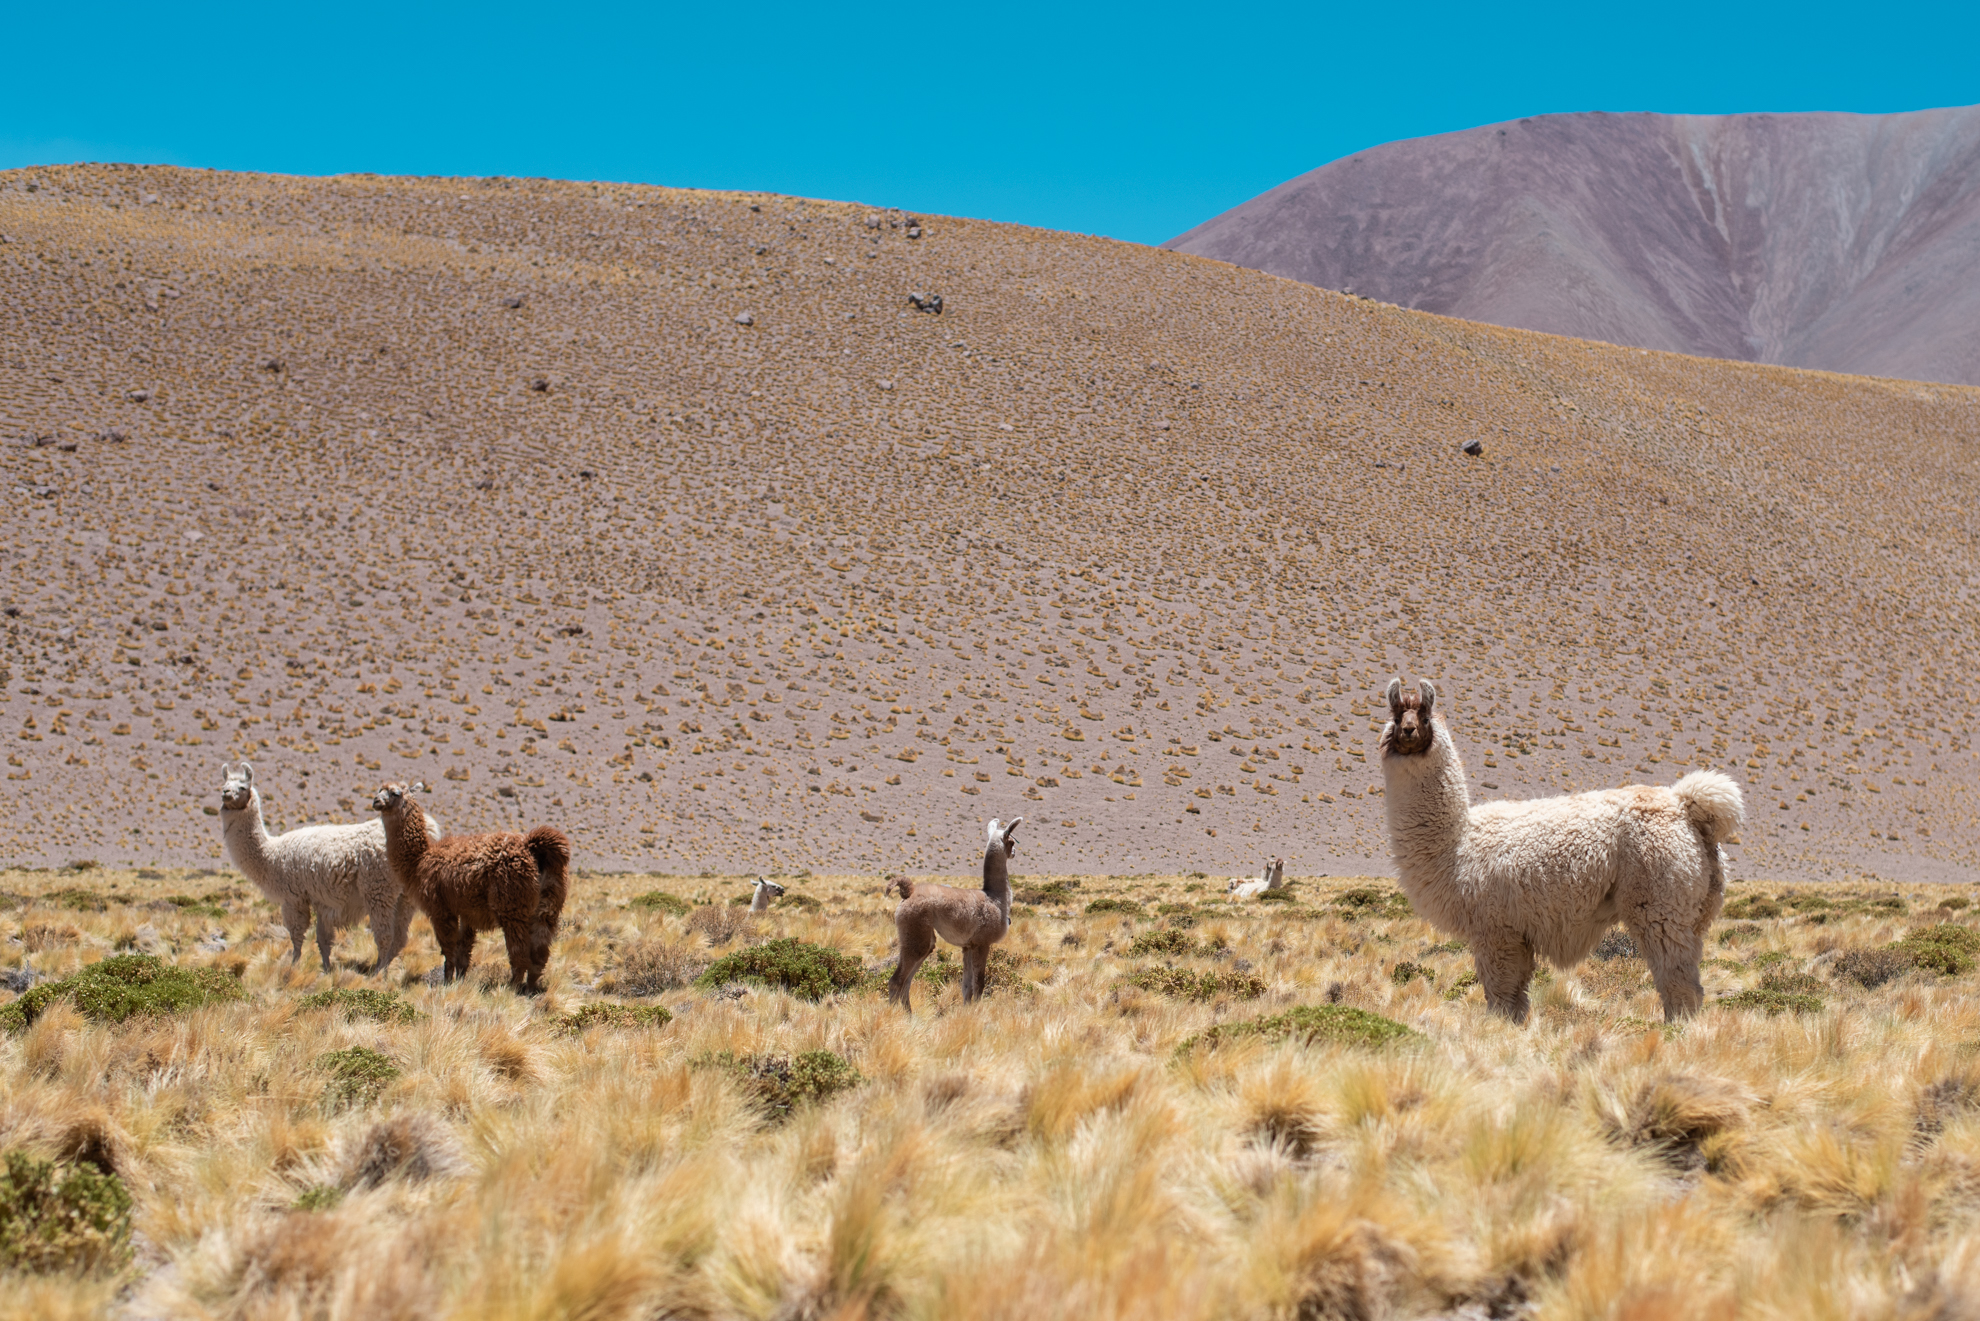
(1428, 694)
(1395, 694)
(247, 773)
(416, 787)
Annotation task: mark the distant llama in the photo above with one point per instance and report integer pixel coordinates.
(1548, 876)
(336, 872)
(766, 890)
(1243, 888)
(973, 919)
(470, 883)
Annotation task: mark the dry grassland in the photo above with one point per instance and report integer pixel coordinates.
(486, 481)
(1055, 1151)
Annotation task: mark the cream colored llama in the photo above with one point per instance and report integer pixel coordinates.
(973, 919)
(1274, 877)
(1548, 876)
(766, 890)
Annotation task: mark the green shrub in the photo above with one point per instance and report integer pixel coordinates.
(1453, 947)
(363, 1002)
(1751, 906)
(117, 988)
(660, 899)
(808, 971)
(1769, 957)
(1955, 903)
(1405, 973)
(602, 1014)
(79, 900)
(358, 1075)
(1779, 993)
(1280, 896)
(1456, 990)
(802, 902)
(1741, 932)
(1127, 906)
(321, 1197)
(62, 1217)
(1170, 942)
(1870, 968)
(1051, 892)
(1808, 903)
(781, 1085)
(1369, 901)
(1314, 1025)
(1182, 984)
(196, 907)
(1946, 949)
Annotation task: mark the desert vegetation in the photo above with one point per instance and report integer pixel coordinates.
(760, 1134)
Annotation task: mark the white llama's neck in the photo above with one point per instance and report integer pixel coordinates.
(246, 838)
(1428, 804)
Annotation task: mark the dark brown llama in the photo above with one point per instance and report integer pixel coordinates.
(470, 883)
(973, 919)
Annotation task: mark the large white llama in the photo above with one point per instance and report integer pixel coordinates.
(338, 872)
(1548, 876)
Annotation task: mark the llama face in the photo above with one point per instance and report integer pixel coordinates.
(1409, 732)
(1006, 832)
(389, 798)
(776, 890)
(236, 786)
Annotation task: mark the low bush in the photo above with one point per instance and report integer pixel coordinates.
(363, 1002)
(808, 971)
(62, 1217)
(1871, 968)
(358, 1076)
(118, 988)
(1280, 896)
(602, 1014)
(1456, 990)
(78, 900)
(1946, 949)
(1313, 1024)
(1171, 942)
(780, 1085)
(662, 901)
(1779, 993)
(1182, 984)
(1126, 906)
(718, 922)
(1405, 973)
(648, 967)
(185, 903)
(1369, 901)
(1751, 906)
(802, 902)
(1741, 932)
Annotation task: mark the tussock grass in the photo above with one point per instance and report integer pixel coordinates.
(1342, 1144)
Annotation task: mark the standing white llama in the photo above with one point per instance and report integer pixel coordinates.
(337, 871)
(1548, 876)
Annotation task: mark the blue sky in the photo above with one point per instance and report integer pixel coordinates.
(1135, 122)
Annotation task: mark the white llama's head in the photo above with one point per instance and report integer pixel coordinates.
(393, 796)
(764, 883)
(1005, 833)
(1410, 731)
(236, 785)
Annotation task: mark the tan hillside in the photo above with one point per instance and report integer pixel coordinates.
(486, 481)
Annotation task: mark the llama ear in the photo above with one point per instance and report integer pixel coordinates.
(247, 773)
(1428, 694)
(1395, 694)
(416, 787)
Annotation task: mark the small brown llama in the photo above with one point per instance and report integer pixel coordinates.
(973, 919)
(470, 883)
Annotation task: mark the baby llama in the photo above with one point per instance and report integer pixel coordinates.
(973, 919)
(470, 883)
(337, 872)
(1548, 876)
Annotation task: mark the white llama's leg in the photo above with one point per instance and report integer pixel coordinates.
(1505, 965)
(1673, 946)
(295, 916)
(326, 937)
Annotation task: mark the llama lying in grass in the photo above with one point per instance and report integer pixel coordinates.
(336, 872)
(470, 883)
(973, 919)
(766, 890)
(1274, 877)
(1549, 876)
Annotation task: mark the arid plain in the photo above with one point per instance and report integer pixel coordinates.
(484, 481)
(666, 518)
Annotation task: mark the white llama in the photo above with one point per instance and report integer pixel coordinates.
(766, 890)
(337, 871)
(1273, 879)
(1548, 876)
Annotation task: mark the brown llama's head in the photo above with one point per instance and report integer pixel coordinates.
(393, 796)
(901, 883)
(236, 786)
(1409, 732)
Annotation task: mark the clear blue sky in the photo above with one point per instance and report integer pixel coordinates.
(1131, 121)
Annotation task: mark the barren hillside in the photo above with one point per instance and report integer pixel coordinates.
(1844, 242)
(664, 516)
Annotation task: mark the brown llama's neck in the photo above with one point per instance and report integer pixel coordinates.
(405, 840)
(997, 877)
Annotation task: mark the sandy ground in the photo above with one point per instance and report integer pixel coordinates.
(485, 481)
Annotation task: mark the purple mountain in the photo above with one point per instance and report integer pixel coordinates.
(1844, 242)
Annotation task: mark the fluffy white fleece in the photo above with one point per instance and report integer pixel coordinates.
(337, 872)
(1549, 876)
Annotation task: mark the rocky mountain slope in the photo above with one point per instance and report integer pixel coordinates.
(665, 516)
(1844, 242)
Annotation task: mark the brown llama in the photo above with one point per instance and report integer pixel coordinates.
(973, 919)
(470, 883)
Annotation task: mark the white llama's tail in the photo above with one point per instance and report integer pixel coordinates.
(1714, 804)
